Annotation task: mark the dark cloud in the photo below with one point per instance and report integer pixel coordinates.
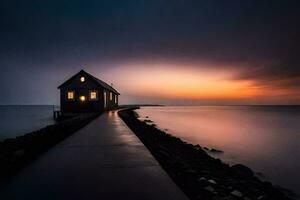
(259, 38)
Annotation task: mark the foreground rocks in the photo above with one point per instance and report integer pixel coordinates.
(17, 152)
(199, 175)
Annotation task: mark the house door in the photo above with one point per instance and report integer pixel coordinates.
(104, 99)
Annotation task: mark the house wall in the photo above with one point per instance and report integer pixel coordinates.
(83, 89)
(110, 103)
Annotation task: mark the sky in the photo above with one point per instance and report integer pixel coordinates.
(174, 52)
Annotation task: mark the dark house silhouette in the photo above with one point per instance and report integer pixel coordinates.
(86, 93)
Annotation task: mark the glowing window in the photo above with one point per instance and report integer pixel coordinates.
(82, 79)
(70, 95)
(93, 95)
(110, 96)
(82, 98)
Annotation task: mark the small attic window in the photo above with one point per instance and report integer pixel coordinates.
(82, 79)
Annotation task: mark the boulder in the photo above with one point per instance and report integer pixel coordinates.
(236, 193)
(212, 181)
(242, 170)
(209, 188)
(215, 150)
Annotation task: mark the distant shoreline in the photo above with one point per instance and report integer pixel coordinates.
(198, 174)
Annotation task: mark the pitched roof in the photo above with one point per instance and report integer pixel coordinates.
(96, 80)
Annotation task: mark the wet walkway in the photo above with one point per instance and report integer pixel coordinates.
(104, 160)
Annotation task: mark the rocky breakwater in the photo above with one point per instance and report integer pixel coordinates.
(17, 152)
(198, 174)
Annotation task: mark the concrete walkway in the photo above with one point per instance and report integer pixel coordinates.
(104, 160)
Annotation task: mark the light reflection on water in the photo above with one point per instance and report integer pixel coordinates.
(265, 138)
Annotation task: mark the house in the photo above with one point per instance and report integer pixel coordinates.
(86, 93)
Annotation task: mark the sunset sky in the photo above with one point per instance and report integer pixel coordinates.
(171, 52)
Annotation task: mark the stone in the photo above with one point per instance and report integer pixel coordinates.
(201, 179)
(19, 153)
(190, 171)
(242, 170)
(209, 188)
(215, 150)
(236, 193)
(212, 181)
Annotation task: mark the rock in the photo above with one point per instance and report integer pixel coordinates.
(163, 154)
(202, 182)
(209, 188)
(260, 175)
(205, 148)
(229, 198)
(212, 181)
(236, 193)
(217, 198)
(19, 153)
(242, 170)
(201, 179)
(148, 121)
(215, 150)
(190, 171)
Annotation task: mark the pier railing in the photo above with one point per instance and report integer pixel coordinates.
(56, 111)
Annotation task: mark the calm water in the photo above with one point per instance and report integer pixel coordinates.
(18, 120)
(265, 138)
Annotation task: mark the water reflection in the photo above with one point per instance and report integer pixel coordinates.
(124, 134)
(264, 138)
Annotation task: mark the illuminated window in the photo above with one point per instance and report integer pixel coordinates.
(110, 96)
(70, 95)
(82, 79)
(82, 98)
(93, 95)
(116, 98)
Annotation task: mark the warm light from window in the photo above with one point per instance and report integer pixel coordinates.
(82, 79)
(70, 95)
(82, 98)
(93, 95)
(110, 96)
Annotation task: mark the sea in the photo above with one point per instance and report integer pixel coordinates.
(264, 138)
(17, 120)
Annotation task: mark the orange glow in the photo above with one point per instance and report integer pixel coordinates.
(167, 82)
(193, 82)
(82, 98)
